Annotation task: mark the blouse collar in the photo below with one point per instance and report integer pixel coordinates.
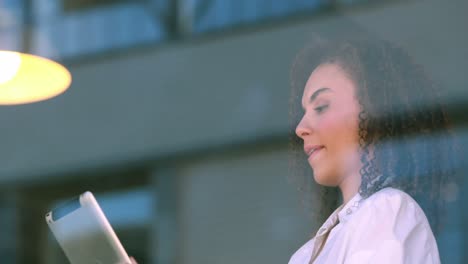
(349, 208)
(341, 214)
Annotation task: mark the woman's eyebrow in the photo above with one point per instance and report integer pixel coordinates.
(316, 93)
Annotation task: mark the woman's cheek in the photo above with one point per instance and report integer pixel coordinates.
(336, 136)
(329, 126)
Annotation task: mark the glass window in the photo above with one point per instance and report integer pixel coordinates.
(197, 16)
(11, 21)
(61, 31)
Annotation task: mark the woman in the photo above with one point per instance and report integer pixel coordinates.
(374, 127)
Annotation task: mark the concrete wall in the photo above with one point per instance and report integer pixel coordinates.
(240, 209)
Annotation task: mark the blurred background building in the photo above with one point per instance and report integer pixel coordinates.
(177, 119)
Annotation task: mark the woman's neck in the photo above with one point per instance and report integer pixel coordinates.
(349, 187)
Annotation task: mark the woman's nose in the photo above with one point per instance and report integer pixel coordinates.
(302, 130)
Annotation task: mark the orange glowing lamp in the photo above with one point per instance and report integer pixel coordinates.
(26, 78)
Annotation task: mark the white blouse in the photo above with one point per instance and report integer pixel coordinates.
(387, 227)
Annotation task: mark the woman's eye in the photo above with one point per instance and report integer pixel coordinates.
(320, 109)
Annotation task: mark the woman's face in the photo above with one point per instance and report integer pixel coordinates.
(330, 125)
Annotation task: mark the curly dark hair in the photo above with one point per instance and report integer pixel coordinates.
(402, 119)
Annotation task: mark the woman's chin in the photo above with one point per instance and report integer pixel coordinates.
(324, 180)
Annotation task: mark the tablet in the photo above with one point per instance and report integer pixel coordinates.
(84, 234)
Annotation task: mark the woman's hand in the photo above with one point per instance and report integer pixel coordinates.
(133, 260)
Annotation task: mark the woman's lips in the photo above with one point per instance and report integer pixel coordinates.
(311, 156)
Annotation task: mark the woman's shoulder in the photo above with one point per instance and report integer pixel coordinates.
(391, 225)
(392, 198)
(390, 192)
(392, 205)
